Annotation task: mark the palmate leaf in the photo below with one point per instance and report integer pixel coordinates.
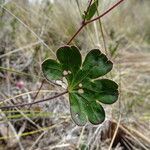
(86, 92)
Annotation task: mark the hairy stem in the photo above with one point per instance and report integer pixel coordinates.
(39, 101)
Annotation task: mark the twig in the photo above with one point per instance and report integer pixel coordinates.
(129, 132)
(22, 94)
(37, 92)
(80, 137)
(81, 27)
(139, 134)
(106, 12)
(115, 133)
(39, 101)
(37, 140)
(78, 31)
(95, 19)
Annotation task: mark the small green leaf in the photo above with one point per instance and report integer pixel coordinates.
(70, 58)
(77, 108)
(85, 94)
(96, 64)
(109, 91)
(96, 113)
(103, 90)
(91, 11)
(82, 109)
(52, 70)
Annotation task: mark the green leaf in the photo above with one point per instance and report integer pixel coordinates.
(70, 58)
(85, 94)
(95, 113)
(77, 108)
(52, 70)
(96, 64)
(83, 108)
(91, 11)
(103, 90)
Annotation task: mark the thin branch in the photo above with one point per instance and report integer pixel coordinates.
(78, 31)
(39, 101)
(81, 27)
(106, 12)
(39, 89)
(115, 133)
(95, 19)
(37, 92)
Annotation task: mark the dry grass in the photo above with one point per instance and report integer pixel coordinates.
(31, 33)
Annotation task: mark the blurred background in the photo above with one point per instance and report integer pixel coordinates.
(33, 30)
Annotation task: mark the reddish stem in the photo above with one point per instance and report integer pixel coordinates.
(78, 31)
(106, 12)
(37, 93)
(90, 21)
(39, 101)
